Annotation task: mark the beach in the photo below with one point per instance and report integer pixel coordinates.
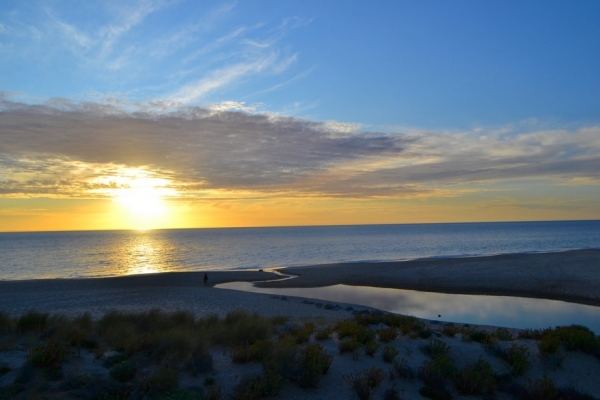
(569, 276)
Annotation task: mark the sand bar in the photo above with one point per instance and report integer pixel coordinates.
(572, 276)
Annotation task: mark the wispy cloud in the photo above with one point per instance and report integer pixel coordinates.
(125, 47)
(225, 76)
(63, 148)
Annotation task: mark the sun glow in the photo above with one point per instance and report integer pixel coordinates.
(141, 198)
(144, 205)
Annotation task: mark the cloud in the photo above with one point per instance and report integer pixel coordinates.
(220, 150)
(225, 76)
(123, 47)
(67, 149)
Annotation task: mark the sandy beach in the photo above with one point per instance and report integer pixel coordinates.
(572, 276)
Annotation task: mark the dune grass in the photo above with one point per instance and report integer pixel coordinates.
(151, 351)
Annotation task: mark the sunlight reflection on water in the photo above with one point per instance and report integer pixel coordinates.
(140, 254)
(513, 312)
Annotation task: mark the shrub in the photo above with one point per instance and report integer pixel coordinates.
(424, 333)
(435, 394)
(402, 369)
(542, 389)
(577, 337)
(257, 387)
(6, 323)
(200, 362)
(105, 389)
(387, 334)
(4, 368)
(323, 334)
(213, 319)
(351, 328)
(391, 394)
(503, 334)
(549, 344)
(303, 334)
(170, 346)
(517, 358)
(279, 319)
(389, 353)
(405, 323)
(214, 392)
(255, 352)
(349, 345)
(374, 376)
(535, 334)
(472, 335)
(450, 330)
(123, 372)
(476, 379)
(314, 362)
(435, 348)
(362, 382)
(360, 385)
(241, 327)
(32, 321)
(283, 359)
(161, 381)
(434, 372)
(371, 348)
(45, 355)
(114, 360)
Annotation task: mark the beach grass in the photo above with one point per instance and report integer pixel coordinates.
(149, 355)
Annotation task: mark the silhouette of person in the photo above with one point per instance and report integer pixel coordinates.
(205, 279)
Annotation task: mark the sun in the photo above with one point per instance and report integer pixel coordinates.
(141, 199)
(144, 205)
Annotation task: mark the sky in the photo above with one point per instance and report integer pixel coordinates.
(152, 114)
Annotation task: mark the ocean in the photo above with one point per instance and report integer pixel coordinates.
(44, 255)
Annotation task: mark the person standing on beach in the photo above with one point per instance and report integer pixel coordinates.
(205, 279)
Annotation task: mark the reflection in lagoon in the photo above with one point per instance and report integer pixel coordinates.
(513, 312)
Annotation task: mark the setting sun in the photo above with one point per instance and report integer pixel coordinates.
(141, 198)
(144, 205)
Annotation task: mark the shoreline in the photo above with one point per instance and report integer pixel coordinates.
(567, 276)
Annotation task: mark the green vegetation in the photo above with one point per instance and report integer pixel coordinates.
(389, 353)
(435, 348)
(314, 361)
(348, 346)
(123, 372)
(362, 382)
(476, 379)
(324, 334)
(516, 358)
(401, 369)
(387, 334)
(371, 348)
(146, 355)
(353, 329)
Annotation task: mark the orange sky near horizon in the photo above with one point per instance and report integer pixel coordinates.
(106, 214)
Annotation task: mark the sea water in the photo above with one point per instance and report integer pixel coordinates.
(39, 255)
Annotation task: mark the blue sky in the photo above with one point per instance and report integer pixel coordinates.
(494, 104)
(430, 64)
